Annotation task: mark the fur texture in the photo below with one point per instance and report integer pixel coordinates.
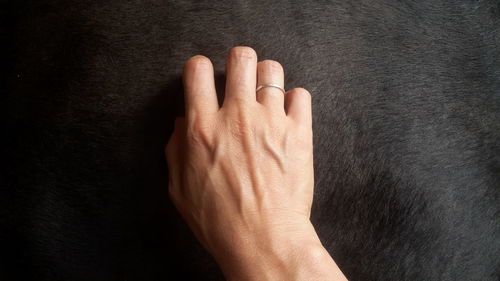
(406, 105)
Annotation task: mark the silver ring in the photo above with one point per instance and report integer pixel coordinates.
(270, 85)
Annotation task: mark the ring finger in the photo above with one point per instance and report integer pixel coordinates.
(270, 72)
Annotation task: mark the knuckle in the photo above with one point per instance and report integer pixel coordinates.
(241, 127)
(304, 141)
(243, 52)
(198, 133)
(241, 131)
(302, 127)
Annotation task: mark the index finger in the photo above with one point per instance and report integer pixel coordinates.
(200, 95)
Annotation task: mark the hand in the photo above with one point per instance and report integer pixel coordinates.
(242, 175)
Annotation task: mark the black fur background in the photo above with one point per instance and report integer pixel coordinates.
(406, 105)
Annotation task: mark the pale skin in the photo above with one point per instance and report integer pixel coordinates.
(241, 174)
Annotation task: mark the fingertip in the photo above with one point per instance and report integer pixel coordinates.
(198, 60)
(302, 91)
(196, 67)
(242, 52)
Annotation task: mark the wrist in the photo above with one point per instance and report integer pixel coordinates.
(282, 255)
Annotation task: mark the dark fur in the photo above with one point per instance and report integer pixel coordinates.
(406, 104)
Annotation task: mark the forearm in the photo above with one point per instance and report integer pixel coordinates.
(281, 258)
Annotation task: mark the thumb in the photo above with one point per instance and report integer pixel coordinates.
(174, 152)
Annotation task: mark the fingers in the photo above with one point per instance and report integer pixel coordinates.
(298, 106)
(199, 88)
(269, 71)
(241, 71)
(241, 80)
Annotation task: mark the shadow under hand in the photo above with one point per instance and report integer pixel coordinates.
(167, 241)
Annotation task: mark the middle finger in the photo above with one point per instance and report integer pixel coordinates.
(241, 72)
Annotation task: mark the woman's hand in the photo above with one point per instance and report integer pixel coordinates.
(242, 175)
